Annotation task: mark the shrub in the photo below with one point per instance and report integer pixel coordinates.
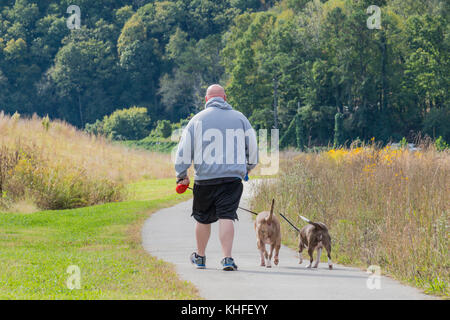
(440, 144)
(403, 143)
(125, 124)
(50, 184)
(95, 128)
(46, 123)
(8, 160)
(61, 187)
(164, 128)
(182, 123)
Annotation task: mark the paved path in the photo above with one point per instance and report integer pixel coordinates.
(169, 235)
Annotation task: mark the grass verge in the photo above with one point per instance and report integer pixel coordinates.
(104, 241)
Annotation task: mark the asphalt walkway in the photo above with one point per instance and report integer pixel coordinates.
(169, 235)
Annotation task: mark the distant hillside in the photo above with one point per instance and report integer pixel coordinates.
(320, 71)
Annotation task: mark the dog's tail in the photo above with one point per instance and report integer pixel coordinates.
(269, 218)
(320, 226)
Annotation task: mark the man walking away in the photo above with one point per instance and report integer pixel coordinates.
(222, 144)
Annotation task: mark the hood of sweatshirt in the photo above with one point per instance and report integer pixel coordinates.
(218, 103)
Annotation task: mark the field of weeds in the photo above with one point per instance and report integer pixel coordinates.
(384, 206)
(52, 165)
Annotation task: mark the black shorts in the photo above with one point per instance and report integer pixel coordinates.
(214, 202)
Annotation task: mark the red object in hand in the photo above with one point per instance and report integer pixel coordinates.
(181, 188)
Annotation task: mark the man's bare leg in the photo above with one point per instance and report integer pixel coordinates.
(202, 233)
(226, 235)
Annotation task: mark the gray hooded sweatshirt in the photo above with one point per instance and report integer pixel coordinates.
(220, 141)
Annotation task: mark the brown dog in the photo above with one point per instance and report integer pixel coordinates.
(315, 236)
(267, 227)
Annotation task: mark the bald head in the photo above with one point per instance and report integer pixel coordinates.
(215, 91)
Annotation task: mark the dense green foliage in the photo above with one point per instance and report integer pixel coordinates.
(125, 124)
(323, 59)
(318, 56)
(155, 54)
(163, 138)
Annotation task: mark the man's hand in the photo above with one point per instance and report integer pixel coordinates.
(185, 181)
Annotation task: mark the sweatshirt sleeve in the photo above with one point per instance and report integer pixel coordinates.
(251, 146)
(185, 152)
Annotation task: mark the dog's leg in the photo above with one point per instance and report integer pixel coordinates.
(263, 260)
(266, 255)
(300, 250)
(311, 253)
(330, 263)
(269, 260)
(277, 252)
(261, 246)
(319, 253)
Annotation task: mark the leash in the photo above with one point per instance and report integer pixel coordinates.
(254, 213)
(292, 225)
(282, 215)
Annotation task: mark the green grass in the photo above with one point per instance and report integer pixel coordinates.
(152, 189)
(152, 144)
(103, 241)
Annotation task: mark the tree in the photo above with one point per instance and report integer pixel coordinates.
(249, 87)
(428, 67)
(300, 132)
(81, 67)
(319, 55)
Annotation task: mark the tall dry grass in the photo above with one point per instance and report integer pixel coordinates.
(57, 166)
(384, 207)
